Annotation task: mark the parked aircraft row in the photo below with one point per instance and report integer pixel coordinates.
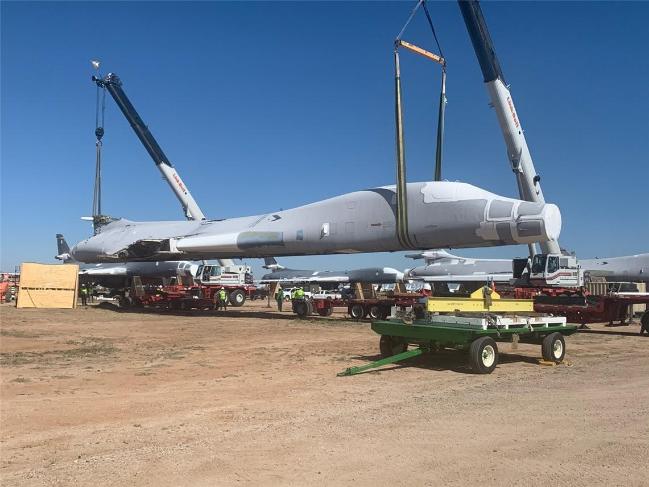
(443, 266)
(440, 266)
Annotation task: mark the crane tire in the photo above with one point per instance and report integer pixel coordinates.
(237, 298)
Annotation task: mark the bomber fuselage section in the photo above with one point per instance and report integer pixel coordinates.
(440, 215)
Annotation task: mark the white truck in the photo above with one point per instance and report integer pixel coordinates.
(237, 280)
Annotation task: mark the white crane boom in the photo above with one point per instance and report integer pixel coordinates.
(527, 178)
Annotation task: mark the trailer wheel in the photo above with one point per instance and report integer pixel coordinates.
(325, 311)
(553, 348)
(375, 312)
(237, 298)
(301, 308)
(356, 311)
(419, 312)
(483, 355)
(385, 312)
(389, 346)
(644, 323)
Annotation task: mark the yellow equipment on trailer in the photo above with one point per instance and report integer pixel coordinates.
(483, 300)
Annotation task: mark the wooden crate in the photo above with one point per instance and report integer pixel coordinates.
(48, 285)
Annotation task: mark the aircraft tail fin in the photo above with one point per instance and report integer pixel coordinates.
(63, 248)
(271, 263)
(433, 255)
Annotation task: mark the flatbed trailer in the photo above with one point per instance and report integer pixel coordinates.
(186, 297)
(376, 308)
(170, 297)
(599, 309)
(480, 342)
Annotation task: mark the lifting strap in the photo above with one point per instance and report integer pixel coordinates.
(401, 188)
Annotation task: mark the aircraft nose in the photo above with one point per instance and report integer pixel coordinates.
(86, 251)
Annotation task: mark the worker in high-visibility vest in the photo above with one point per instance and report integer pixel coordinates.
(84, 295)
(223, 299)
(299, 293)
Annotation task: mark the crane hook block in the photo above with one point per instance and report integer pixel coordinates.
(99, 132)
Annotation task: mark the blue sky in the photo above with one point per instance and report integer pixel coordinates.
(272, 105)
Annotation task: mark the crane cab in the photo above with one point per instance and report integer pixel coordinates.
(209, 274)
(555, 270)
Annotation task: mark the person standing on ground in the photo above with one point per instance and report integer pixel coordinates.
(279, 296)
(223, 299)
(84, 295)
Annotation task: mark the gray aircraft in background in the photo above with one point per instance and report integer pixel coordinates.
(118, 275)
(440, 214)
(375, 275)
(443, 266)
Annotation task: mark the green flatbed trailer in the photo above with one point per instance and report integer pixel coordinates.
(396, 336)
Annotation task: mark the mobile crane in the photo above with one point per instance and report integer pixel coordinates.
(112, 83)
(236, 279)
(549, 268)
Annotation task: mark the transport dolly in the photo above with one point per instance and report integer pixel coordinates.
(477, 335)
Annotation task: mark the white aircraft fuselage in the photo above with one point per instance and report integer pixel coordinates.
(440, 215)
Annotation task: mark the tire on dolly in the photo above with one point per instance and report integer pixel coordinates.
(385, 312)
(483, 355)
(237, 298)
(389, 346)
(553, 348)
(325, 311)
(375, 312)
(418, 312)
(301, 308)
(356, 311)
(644, 323)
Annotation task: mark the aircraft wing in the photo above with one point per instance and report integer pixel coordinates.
(465, 278)
(104, 271)
(314, 279)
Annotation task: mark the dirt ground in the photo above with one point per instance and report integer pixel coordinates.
(99, 397)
